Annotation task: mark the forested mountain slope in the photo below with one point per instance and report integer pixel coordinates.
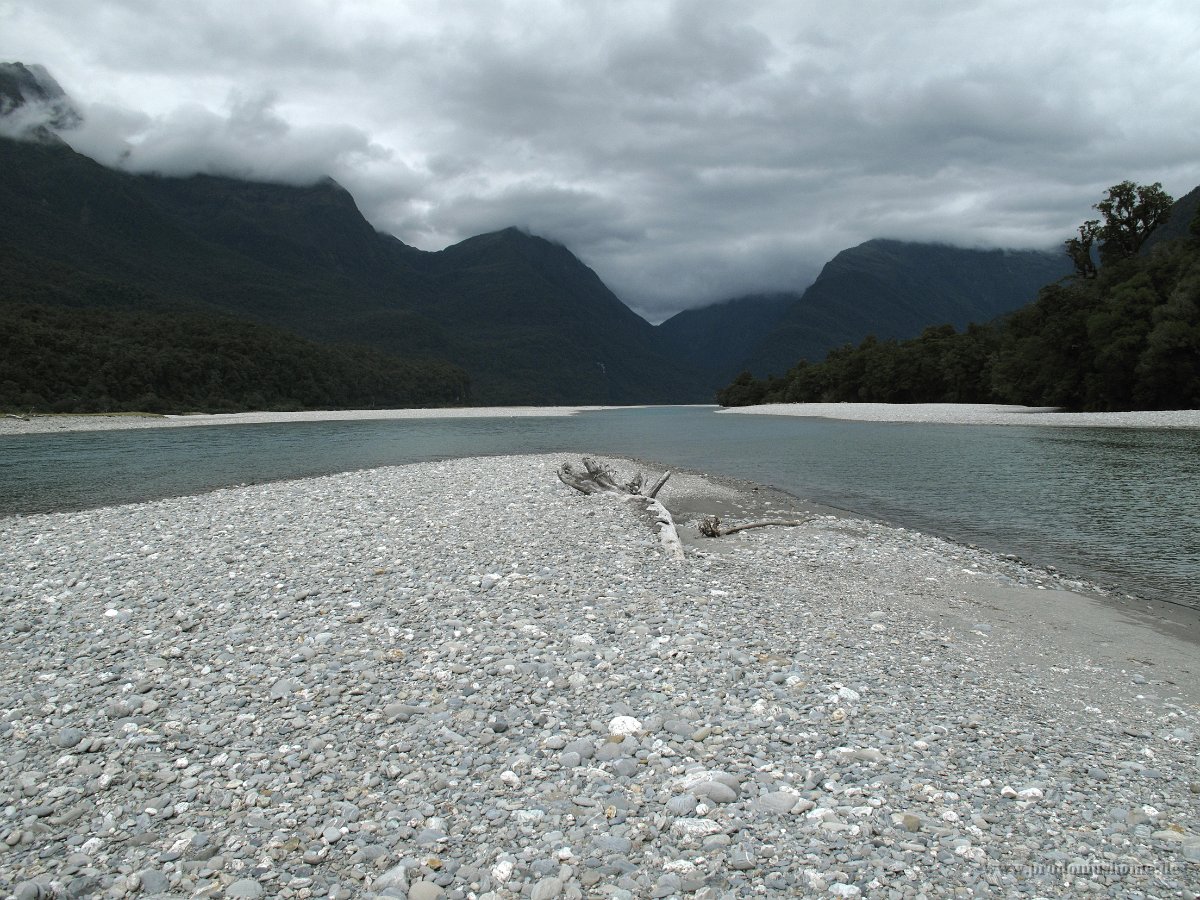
(894, 289)
(526, 319)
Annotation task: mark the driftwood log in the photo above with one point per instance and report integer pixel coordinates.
(596, 479)
(710, 526)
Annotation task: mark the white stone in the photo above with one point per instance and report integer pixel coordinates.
(679, 866)
(695, 827)
(624, 725)
(503, 870)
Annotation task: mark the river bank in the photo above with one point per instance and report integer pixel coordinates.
(976, 414)
(462, 678)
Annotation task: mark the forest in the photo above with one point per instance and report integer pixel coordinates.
(1121, 333)
(66, 359)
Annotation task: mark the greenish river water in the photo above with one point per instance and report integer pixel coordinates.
(1118, 506)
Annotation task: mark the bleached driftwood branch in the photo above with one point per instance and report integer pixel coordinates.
(710, 526)
(596, 479)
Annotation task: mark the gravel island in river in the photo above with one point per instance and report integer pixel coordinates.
(462, 679)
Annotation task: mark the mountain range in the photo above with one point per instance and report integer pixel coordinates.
(525, 319)
(885, 288)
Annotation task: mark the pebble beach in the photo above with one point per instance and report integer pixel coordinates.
(465, 680)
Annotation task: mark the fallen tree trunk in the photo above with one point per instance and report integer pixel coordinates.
(595, 479)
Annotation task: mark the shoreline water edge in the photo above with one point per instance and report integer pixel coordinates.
(463, 679)
(927, 413)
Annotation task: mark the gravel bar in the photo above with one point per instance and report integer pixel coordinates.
(464, 680)
(977, 414)
(52, 423)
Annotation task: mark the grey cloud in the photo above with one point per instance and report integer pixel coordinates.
(250, 140)
(658, 278)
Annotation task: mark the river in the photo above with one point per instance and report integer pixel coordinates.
(1120, 507)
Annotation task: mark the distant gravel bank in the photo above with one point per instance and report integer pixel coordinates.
(462, 679)
(932, 413)
(976, 414)
(39, 424)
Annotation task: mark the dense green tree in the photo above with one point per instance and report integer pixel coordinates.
(745, 390)
(1131, 212)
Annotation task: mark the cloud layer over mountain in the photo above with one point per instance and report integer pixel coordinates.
(686, 150)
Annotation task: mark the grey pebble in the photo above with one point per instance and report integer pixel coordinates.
(246, 888)
(425, 890)
(153, 881)
(68, 737)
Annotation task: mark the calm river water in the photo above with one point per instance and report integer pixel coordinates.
(1119, 506)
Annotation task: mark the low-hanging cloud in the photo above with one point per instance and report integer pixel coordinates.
(688, 150)
(248, 139)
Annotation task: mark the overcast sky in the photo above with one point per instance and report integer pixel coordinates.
(687, 151)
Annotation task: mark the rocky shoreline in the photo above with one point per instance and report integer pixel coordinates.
(462, 679)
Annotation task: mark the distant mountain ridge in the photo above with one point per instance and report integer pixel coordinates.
(895, 289)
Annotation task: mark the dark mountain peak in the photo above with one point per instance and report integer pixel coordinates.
(32, 104)
(511, 237)
(946, 268)
(21, 84)
(894, 247)
(519, 245)
(520, 253)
